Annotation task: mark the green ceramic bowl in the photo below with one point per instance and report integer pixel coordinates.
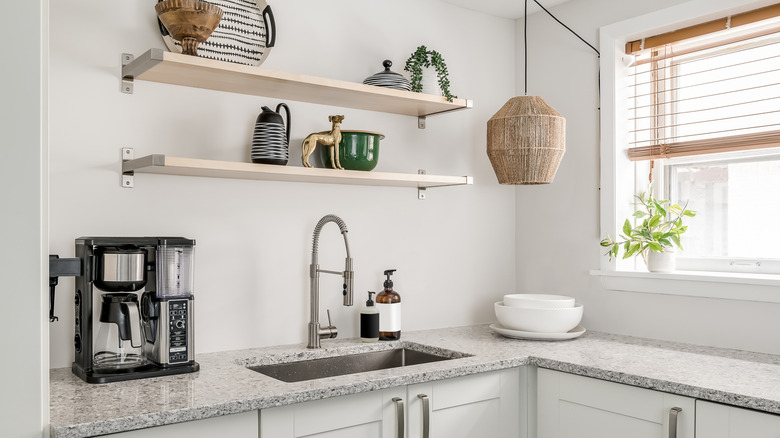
(358, 150)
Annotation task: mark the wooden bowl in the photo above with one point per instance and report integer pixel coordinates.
(189, 21)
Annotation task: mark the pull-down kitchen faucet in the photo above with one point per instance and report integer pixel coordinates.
(315, 331)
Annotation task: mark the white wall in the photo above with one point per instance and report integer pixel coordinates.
(558, 225)
(454, 251)
(24, 370)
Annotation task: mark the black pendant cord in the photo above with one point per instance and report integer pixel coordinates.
(567, 27)
(525, 44)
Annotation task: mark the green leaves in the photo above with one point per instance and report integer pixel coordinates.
(661, 227)
(424, 58)
(655, 246)
(660, 209)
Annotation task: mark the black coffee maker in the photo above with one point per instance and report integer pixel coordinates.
(134, 308)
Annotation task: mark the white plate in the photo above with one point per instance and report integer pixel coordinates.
(517, 334)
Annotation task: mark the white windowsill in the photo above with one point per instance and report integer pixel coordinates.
(730, 286)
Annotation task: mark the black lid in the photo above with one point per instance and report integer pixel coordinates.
(370, 302)
(389, 282)
(388, 78)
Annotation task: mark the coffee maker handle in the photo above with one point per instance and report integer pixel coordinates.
(135, 324)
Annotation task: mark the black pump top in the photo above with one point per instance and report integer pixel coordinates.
(389, 282)
(370, 302)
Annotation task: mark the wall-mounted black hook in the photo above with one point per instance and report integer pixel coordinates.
(60, 268)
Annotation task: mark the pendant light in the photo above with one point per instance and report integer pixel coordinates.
(526, 138)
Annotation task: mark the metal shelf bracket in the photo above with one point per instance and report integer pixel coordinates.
(421, 119)
(128, 177)
(127, 81)
(421, 190)
(132, 67)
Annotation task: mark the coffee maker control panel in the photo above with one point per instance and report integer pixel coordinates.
(178, 328)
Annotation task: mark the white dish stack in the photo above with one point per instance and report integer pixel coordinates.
(538, 316)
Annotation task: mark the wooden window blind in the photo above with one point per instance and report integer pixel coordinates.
(717, 92)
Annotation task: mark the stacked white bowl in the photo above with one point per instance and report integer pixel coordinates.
(538, 313)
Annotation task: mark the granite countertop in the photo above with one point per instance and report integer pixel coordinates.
(225, 386)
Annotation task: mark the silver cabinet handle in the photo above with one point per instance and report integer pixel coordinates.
(673, 421)
(426, 416)
(399, 415)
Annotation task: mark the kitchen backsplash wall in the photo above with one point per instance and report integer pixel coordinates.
(564, 226)
(254, 237)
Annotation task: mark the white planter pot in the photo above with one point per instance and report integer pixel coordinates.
(661, 261)
(430, 81)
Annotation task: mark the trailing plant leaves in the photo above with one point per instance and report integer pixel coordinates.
(424, 58)
(627, 228)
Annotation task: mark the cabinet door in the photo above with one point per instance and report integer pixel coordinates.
(719, 421)
(570, 406)
(242, 425)
(366, 415)
(480, 405)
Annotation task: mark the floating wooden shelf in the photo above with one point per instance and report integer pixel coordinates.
(157, 65)
(163, 164)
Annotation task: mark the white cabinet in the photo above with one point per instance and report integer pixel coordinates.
(570, 406)
(366, 415)
(480, 405)
(243, 425)
(720, 421)
(485, 404)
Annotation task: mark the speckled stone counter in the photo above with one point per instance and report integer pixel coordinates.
(225, 386)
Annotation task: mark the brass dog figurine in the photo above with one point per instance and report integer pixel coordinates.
(330, 139)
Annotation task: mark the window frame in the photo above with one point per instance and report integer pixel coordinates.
(616, 198)
(664, 182)
(717, 263)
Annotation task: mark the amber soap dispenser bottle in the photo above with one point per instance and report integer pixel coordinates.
(388, 303)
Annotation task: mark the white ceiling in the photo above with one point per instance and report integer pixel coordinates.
(504, 8)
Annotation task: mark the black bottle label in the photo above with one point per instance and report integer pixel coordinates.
(369, 325)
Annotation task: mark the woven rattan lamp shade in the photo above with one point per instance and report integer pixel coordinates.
(526, 140)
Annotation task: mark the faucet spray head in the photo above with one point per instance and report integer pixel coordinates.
(349, 282)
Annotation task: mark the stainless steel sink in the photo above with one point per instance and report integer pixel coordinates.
(348, 364)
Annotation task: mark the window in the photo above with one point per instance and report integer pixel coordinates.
(704, 124)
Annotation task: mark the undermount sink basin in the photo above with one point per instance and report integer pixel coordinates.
(349, 364)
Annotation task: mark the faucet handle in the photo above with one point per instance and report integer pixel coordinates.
(329, 332)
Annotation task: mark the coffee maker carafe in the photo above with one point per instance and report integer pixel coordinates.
(119, 341)
(134, 308)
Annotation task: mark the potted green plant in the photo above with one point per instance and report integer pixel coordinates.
(658, 233)
(424, 58)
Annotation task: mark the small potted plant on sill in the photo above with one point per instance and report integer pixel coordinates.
(424, 58)
(657, 235)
